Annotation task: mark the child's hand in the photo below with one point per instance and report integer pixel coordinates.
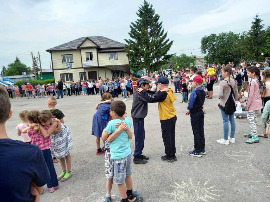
(117, 125)
(188, 112)
(246, 108)
(121, 126)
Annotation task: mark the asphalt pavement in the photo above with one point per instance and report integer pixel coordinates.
(237, 172)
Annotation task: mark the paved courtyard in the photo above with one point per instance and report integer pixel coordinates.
(238, 172)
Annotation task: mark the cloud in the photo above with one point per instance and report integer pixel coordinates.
(229, 12)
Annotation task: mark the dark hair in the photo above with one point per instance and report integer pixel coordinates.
(44, 116)
(194, 69)
(254, 69)
(119, 107)
(5, 105)
(199, 73)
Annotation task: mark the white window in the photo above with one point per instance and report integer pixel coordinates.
(68, 58)
(82, 76)
(66, 77)
(113, 56)
(89, 56)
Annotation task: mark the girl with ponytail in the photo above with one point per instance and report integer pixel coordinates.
(226, 86)
(254, 103)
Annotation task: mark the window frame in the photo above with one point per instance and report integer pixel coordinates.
(114, 54)
(65, 57)
(84, 76)
(66, 76)
(90, 54)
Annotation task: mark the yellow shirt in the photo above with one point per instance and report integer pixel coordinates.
(166, 108)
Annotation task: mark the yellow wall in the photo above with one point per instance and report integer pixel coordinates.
(101, 72)
(88, 43)
(57, 59)
(104, 59)
(75, 72)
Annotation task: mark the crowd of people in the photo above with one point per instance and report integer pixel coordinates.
(242, 93)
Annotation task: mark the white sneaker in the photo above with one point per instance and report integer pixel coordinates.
(232, 140)
(222, 141)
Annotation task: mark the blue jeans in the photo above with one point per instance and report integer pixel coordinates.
(139, 134)
(184, 97)
(226, 118)
(59, 92)
(124, 92)
(53, 182)
(176, 86)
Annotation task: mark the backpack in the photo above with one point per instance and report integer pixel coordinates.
(230, 107)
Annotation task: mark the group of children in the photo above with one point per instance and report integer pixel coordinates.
(47, 130)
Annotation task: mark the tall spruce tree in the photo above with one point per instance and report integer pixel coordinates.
(256, 39)
(148, 45)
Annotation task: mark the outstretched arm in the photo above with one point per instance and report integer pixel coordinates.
(157, 97)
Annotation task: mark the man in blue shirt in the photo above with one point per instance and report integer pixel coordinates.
(22, 165)
(195, 110)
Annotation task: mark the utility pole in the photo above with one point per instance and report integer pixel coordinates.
(34, 65)
(41, 76)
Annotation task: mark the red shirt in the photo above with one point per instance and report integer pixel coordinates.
(29, 87)
(39, 140)
(134, 84)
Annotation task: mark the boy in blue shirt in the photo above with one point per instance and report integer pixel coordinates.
(120, 149)
(195, 110)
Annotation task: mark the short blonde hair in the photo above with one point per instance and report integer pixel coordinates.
(23, 115)
(52, 101)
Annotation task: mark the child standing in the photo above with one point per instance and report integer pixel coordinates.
(57, 113)
(23, 125)
(123, 86)
(120, 150)
(101, 119)
(40, 137)
(254, 103)
(184, 91)
(195, 109)
(227, 88)
(61, 144)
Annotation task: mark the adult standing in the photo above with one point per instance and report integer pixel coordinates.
(9, 90)
(268, 61)
(23, 168)
(60, 89)
(29, 89)
(176, 82)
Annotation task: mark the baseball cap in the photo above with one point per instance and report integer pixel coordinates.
(163, 80)
(198, 79)
(142, 81)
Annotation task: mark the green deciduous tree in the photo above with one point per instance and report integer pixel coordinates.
(231, 47)
(148, 45)
(179, 62)
(3, 70)
(16, 68)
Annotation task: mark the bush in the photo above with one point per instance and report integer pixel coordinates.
(34, 82)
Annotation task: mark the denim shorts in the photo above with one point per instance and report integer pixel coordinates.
(122, 168)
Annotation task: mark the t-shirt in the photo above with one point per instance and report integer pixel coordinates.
(134, 84)
(119, 147)
(57, 113)
(39, 140)
(21, 164)
(25, 136)
(123, 86)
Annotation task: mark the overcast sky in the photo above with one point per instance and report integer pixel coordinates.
(37, 25)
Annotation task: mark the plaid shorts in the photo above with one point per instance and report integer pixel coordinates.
(108, 165)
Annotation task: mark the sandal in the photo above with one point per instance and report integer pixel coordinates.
(263, 135)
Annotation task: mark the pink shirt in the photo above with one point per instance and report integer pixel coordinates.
(23, 87)
(254, 96)
(39, 140)
(25, 136)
